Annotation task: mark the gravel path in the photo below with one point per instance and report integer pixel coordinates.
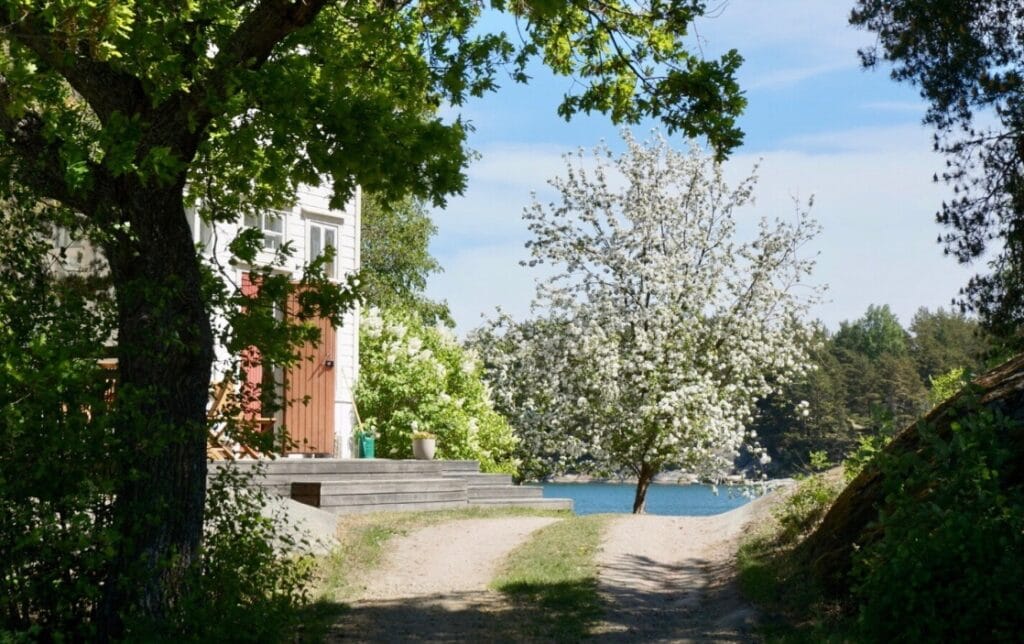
(669, 579)
(449, 558)
(663, 579)
(433, 585)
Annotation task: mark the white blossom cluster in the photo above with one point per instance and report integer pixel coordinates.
(660, 329)
(418, 378)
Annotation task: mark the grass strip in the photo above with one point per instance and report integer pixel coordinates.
(363, 540)
(362, 543)
(552, 578)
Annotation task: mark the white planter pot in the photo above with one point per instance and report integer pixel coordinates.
(423, 448)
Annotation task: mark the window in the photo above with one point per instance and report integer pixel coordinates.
(202, 232)
(271, 222)
(322, 236)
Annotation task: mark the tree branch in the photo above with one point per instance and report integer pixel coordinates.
(37, 160)
(105, 88)
(247, 49)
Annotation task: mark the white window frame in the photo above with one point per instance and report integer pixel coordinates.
(264, 221)
(202, 232)
(322, 226)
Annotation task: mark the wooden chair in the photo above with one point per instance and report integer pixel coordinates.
(218, 446)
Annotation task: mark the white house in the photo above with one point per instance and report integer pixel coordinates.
(325, 426)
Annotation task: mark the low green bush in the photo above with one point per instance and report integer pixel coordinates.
(805, 507)
(254, 574)
(869, 445)
(771, 575)
(950, 560)
(417, 378)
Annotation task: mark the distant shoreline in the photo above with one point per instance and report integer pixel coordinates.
(667, 478)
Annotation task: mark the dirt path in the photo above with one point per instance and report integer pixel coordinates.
(663, 579)
(433, 584)
(669, 579)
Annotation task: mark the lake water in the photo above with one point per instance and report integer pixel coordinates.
(674, 500)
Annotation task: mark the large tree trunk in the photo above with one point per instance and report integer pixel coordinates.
(848, 523)
(165, 352)
(643, 482)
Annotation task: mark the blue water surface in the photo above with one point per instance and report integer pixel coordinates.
(672, 500)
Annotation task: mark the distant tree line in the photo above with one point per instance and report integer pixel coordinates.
(872, 376)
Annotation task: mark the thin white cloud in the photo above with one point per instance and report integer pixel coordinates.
(819, 28)
(784, 78)
(914, 107)
(880, 140)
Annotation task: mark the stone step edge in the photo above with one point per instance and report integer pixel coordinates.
(505, 492)
(400, 481)
(541, 502)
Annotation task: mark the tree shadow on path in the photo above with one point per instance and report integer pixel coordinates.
(533, 615)
(691, 601)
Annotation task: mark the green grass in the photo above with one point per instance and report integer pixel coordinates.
(552, 578)
(363, 540)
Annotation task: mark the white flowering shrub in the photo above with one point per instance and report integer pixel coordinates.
(417, 378)
(660, 329)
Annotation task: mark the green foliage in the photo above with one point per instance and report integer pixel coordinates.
(55, 439)
(819, 461)
(878, 332)
(872, 377)
(945, 340)
(868, 447)
(805, 507)
(415, 377)
(950, 558)
(61, 464)
(252, 577)
(947, 385)
(395, 259)
(772, 575)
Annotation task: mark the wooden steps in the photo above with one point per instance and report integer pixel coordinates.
(346, 486)
(345, 497)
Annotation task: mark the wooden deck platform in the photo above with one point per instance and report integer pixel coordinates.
(344, 486)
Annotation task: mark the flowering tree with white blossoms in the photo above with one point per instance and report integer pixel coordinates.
(415, 377)
(661, 327)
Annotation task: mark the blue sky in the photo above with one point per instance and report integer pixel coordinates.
(817, 124)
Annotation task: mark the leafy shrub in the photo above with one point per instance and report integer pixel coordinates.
(252, 577)
(56, 443)
(414, 378)
(819, 460)
(805, 507)
(949, 563)
(869, 446)
(947, 384)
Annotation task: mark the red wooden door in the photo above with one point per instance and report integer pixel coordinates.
(309, 389)
(252, 365)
